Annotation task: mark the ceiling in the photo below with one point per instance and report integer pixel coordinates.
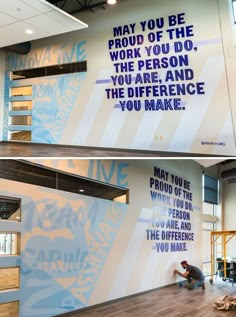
(209, 162)
(226, 168)
(39, 16)
(30, 173)
(43, 17)
(75, 6)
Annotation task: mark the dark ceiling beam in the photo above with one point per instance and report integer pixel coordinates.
(30, 173)
(54, 1)
(82, 5)
(63, 5)
(90, 6)
(20, 48)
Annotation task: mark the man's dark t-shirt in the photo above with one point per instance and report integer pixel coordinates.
(195, 272)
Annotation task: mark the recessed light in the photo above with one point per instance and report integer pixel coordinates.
(81, 190)
(111, 1)
(28, 31)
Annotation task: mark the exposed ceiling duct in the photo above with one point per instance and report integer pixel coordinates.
(229, 174)
(76, 6)
(228, 171)
(21, 48)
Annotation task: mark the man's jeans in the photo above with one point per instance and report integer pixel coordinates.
(195, 283)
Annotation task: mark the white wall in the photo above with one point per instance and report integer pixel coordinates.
(2, 75)
(138, 265)
(229, 209)
(229, 206)
(228, 29)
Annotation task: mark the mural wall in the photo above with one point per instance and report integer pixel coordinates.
(159, 73)
(65, 241)
(77, 251)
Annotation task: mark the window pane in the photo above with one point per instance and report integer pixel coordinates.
(208, 226)
(21, 91)
(210, 190)
(211, 182)
(208, 209)
(8, 243)
(206, 236)
(207, 269)
(21, 105)
(9, 278)
(9, 309)
(207, 246)
(211, 196)
(10, 208)
(76, 67)
(20, 135)
(20, 120)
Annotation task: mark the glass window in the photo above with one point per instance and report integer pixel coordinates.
(20, 135)
(20, 120)
(9, 243)
(208, 209)
(121, 199)
(20, 105)
(10, 208)
(21, 91)
(210, 189)
(208, 226)
(206, 236)
(9, 309)
(61, 69)
(9, 278)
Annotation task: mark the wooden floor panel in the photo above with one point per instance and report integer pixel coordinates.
(16, 149)
(171, 301)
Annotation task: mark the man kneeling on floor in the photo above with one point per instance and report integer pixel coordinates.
(193, 275)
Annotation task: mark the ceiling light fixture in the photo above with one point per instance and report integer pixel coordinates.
(111, 2)
(28, 31)
(81, 190)
(234, 10)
